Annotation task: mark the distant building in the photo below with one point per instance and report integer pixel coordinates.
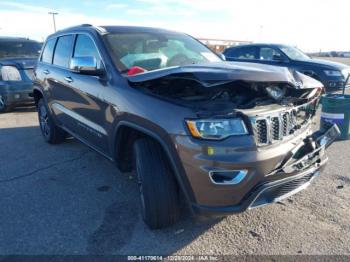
(219, 45)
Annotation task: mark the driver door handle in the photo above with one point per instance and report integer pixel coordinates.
(68, 79)
(46, 72)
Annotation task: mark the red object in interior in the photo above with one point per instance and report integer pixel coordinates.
(135, 70)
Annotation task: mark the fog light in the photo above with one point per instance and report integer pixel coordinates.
(227, 177)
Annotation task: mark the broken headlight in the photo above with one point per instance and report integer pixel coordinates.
(216, 129)
(276, 92)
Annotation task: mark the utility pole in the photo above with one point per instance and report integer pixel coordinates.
(261, 33)
(54, 20)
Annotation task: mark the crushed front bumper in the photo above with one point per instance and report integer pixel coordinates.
(295, 174)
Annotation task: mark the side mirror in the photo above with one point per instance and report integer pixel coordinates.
(86, 65)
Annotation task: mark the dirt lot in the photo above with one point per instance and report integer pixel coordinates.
(67, 199)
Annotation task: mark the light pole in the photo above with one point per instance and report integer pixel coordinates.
(261, 32)
(53, 18)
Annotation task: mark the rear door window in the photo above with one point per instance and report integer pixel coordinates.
(231, 52)
(268, 54)
(63, 51)
(48, 51)
(248, 52)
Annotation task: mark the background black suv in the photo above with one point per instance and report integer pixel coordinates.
(222, 137)
(333, 75)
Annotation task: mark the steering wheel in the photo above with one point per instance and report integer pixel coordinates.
(178, 60)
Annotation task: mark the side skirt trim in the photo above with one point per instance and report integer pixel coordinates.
(80, 118)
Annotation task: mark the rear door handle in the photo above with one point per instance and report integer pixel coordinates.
(46, 72)
(68, 79)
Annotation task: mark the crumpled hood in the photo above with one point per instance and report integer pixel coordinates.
(20, 63)
(227, 71)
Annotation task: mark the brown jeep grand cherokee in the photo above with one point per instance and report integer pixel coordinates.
(226, 137)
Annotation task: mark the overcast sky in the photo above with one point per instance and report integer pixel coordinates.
(310, 25)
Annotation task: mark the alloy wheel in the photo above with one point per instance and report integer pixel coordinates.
(139, 183)
(44, 121)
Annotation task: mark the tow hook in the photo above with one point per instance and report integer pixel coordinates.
(310, 144)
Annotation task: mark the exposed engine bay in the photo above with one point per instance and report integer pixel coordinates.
(276, 107)
(234, 94)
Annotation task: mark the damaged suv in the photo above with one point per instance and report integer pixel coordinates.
(218, 136)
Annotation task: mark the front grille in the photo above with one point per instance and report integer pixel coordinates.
(290, 186)
(285, 124)
(274, 128)
(261, 131)
(274, 193)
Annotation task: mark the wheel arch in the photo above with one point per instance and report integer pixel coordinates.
(137, 131)
(37, 95)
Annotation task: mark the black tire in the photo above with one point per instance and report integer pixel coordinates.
(159, 193)
(51, 133)
(3, 107)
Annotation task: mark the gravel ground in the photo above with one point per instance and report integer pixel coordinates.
(67, 199)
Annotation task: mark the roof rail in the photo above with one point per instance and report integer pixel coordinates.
(14, 38)
(75, 26)
(101, 29)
